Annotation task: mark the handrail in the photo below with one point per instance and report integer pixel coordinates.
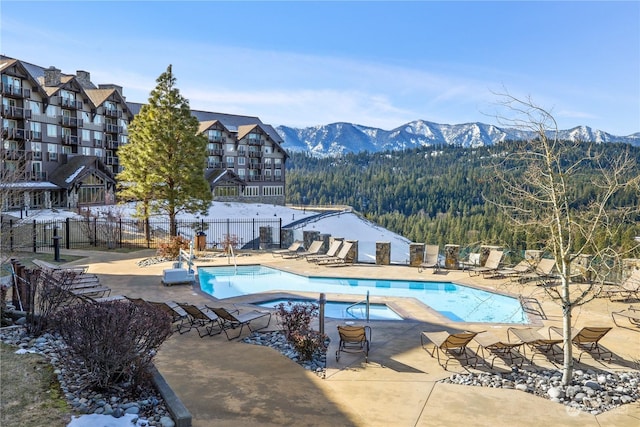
(233, 255)
(367, 304)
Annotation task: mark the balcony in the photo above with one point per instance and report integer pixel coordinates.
(254, 178)
(69, 139)
(97, 142)
(255, 166)
(16, 134)
(257, 142)
(219, 138)
(15, 92)
(15, 112)
(215, 152)
(112, 112)
(254, 154)
(110, 128)
(214, 165)
(34, 155)
(36, 176)
(112, 144)
(111, 160)
(71, 122)
(12, 154)
(36, 135)
(70, 103)
(52, 157)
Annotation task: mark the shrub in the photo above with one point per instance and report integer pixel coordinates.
(114, 342)
(171, 250)
(296, 321)
(50, 293)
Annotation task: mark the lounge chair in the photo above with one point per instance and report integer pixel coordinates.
(506, 351)
(291, 250)
(491, 265)
(201, 317)
(587, 340)
(314, 249)
(523, 267)
(431, 258)
(53, 267)
(341, 258)
(353, 339)
(332, 252)
(632, 314)
(451, 346)
(178, 315)
(628, 289)
(230, 321)
(535, 341)
(543, 271)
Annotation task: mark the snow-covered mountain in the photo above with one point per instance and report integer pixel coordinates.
(340, 138)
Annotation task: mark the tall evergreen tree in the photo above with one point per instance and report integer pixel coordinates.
(163, 163)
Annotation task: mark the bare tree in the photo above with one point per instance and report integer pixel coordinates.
(544, 180)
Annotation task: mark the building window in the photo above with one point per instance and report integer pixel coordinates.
(52, 149)
(86, 151)
(36, 107)
(252, 191)
(277, 172)
(99, 152)
(52, 111)
(241, 161)
(36, 129)
(52, 130)
(271, 190)
(226, 191)
(230, 161)
(86, 135)
(241, 172)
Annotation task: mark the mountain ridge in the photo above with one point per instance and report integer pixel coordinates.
(340, 138)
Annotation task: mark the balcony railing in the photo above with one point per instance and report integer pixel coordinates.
(112, 112)
(255, 166)
(255, 153)
(15, 133)
(71, 121)
(12, 154)
(216, 139)
(112, 128)
(34, 155)
(214, 165)
(255, 142)
(215, 152)
(36, 176)
(97, 142)
(17, 92)
(36, 135)
(112, 144)
(15, 112)
(70, 103)
(69, 139)
(111, 160)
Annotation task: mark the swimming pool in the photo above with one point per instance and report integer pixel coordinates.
(456, 302)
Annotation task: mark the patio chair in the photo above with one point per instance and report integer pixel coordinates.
(497, 348)
(523, 267)
(291, 250)
(431, 258)
(334, 248)
(531, 305)
(632, 314)
(353, 339)
(228, 320)
(450, 346)
(178, 314)
(538, 344)
(542, 271)
(341, 258)
(201, 317)
(53, 267)
(627, 289)
(491, 265)
(587, 340)
(314, 249)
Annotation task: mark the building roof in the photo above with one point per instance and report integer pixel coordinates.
(76, 168)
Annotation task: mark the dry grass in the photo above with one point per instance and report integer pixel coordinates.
(30, 395)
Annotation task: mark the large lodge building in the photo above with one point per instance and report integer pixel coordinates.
(61, 134)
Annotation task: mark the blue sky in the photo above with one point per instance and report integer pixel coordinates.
(379, 64)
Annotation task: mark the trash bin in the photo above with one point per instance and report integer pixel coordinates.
(201, 241)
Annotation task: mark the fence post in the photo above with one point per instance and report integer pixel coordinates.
(11, 235)
(95, 232)
(120, 232)
(35, 236)
(67, 233)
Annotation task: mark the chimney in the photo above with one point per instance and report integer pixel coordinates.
(52, 76)
(111, 86)
(84, 78)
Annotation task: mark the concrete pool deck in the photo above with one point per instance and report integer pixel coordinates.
(230, 383)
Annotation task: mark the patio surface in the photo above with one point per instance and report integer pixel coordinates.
(230, 383)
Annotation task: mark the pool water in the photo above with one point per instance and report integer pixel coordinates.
(456, 302)
(338, 310)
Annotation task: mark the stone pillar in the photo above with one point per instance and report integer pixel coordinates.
(383, 253)
(451, 256)
(266, 239)
(325, 246)
(352, 256)
(286, 237)
(309, 236)
(416, 254)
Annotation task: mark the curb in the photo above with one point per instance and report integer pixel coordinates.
(179, 412)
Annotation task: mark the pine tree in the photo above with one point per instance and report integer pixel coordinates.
(163, 163)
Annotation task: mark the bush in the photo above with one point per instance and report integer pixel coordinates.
(296, 321)
(171, 250)
(50, 293)
(114, 342)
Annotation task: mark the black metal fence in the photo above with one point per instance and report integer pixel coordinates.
(39, 235)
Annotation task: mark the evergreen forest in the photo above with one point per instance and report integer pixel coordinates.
(438, 195)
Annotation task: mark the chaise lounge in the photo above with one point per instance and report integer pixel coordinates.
(450, 346)
(228, 320)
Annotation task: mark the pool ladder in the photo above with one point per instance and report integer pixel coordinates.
(348, 310)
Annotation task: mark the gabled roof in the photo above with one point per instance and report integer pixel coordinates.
(76, 168)
(205, 126)
(226, 176)
(244, 130)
